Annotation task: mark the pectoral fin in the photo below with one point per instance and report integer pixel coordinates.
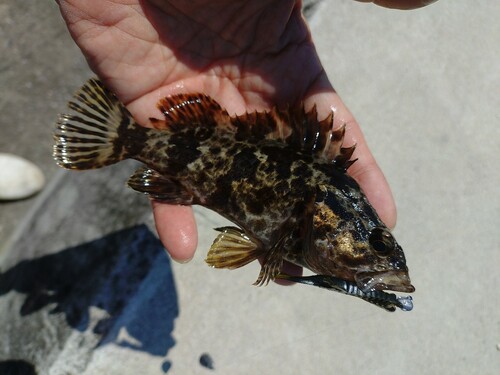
(159, 187)
(232, 249)
(307, 227)
(272, 263)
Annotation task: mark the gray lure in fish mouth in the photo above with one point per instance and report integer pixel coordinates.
(387, 301)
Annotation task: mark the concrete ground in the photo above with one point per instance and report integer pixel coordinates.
(85, 287)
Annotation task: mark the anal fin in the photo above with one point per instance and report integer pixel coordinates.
(232, 249)
(159, 187)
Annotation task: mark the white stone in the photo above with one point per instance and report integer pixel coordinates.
(19, 178)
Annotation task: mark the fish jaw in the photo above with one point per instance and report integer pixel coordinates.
(398, 281)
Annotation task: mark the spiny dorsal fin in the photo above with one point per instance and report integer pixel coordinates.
(334, 151)
(260, 125)
(190, 110)
(296, 127)
(343, 159)
(334, 143)
(292, 125)
(318, 137)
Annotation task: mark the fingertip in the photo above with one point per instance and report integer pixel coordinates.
(176, 228)
(400, 4)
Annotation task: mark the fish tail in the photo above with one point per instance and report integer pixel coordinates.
(100, 132)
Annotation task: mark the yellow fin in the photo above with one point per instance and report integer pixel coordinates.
(232, 249)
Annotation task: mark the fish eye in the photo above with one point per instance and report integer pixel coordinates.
(381, 241)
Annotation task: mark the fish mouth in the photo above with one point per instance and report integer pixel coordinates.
(397, 281)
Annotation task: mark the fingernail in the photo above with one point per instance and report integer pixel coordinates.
(181, 261)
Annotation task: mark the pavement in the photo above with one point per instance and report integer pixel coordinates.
(86, 287)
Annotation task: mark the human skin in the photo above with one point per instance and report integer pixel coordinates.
(400, 4)
(247, 55)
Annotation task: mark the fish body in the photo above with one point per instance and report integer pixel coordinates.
(280, 176)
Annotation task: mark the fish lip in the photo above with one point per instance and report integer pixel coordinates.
(397, 281)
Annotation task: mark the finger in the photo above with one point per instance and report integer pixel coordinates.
(371, 178)
(400, 4)
(176, 227)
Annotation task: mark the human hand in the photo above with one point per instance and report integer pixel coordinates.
(400, 4)
(247, 55)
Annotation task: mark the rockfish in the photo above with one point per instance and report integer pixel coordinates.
(279, 176)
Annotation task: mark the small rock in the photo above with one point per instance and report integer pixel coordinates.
(19, 178)
(207, 361)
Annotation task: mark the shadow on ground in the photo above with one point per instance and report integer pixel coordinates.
(126, 273)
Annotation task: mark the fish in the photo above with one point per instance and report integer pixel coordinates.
(280, 176)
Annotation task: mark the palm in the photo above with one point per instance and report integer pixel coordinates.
(245, 54)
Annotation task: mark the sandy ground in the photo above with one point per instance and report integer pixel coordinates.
(425, 87)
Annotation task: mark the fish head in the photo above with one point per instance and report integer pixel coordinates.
(349, 241)
(388, 270)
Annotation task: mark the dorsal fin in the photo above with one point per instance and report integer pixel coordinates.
(258, 126)
(190, 110)
(296, 127)
(334, 151)
(292, 125)
(318, 137)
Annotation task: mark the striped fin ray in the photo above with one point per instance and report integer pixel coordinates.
(90, 137)
(232, 249)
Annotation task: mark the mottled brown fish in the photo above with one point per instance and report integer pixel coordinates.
(280, 176)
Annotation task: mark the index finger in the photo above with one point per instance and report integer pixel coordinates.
(176, 228)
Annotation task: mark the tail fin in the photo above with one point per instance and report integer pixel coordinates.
(90, 138)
